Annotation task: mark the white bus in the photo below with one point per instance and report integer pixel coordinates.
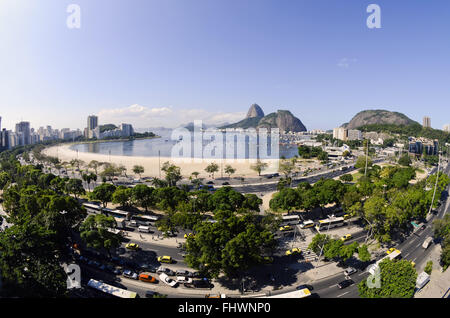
(394, 255)
(93, 207)
(145, 219)
(302, 293)
(290, 219)
(329, 223)
(111, 290)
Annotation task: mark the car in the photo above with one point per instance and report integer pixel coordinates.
(165, 259)
(346, 237)
(188, 235)
(132, 246)
(345, 283)
(347, 216)
(167, 280)
(182, 273)
(184, 280)
(349, 271)
(151, 294)
(148, 268)
(146, 277)
(129, 274)
(294, 251)
(209, 182)
(285, 228)
(413, 264)
(389, 251)
(199, 283)
(165, 270)
(225, 183)
(304, 286)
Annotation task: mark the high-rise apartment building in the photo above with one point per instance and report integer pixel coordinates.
(446, 128)
(340, 133)
(23, 132)
(426, 122)
(92, 123)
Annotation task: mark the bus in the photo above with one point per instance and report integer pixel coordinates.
(394, 255)
(302, 293)
(145, 219)
(290, 219)
(98, 209)
(117, 213)
(111, 290)
(93, 207)
(329, 223)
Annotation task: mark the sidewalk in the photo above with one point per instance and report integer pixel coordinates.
(439, 283)
(153, 239)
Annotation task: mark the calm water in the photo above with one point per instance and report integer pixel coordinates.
(164, 145)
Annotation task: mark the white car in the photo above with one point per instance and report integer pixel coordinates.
(184, 279)
(167, 280)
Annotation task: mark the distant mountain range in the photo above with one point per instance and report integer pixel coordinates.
(378, 117)
(282, 119)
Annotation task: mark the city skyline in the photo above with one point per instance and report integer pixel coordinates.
(167, 63)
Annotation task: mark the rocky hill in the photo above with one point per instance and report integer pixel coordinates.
(255, 111)
(379, 116)
(282, 119)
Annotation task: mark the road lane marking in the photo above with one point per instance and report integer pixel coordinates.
(414, 259)
(407, 254)
(332, 286)
(343, 294)
(362, 273)
(418, 244)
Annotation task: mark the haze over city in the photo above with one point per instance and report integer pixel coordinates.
(165, 63)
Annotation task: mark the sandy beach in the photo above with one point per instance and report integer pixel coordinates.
(151, 164)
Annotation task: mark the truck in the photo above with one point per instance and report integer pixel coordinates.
(427, 242)
(422, 279)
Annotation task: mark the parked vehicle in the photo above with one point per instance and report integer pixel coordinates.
(427, 242)
(184, 279)
(132, 246)
(167, 280)
(183, 273)
(129, 274)
(165, 270)
(422, 279)
(144, 229)
(349, 271)
(146, 277)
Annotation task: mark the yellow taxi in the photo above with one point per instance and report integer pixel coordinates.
(389, 251)
(285, 228)
(293, 251)
(346, 237)
(132, 246)
(413, 264)
(165, 259)
(188, 235)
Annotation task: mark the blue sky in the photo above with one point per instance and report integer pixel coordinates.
(168, 62)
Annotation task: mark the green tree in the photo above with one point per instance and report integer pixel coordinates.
(287, 199)
(138, 170)
(172, 172)
(96, 232)
(75, 187)
(103, 193)
(212, 168)
(405, 160)
(142, 196)
(122, 196)
(398, 280)
(229, 170)
(259, 166)
(363, 253)
(346, 178)
(428, 267)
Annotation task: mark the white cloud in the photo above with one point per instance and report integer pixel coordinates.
(346, 62)
(141, 116)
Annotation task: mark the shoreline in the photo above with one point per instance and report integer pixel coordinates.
(151, 164)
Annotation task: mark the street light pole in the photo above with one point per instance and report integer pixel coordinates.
(435, 184)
